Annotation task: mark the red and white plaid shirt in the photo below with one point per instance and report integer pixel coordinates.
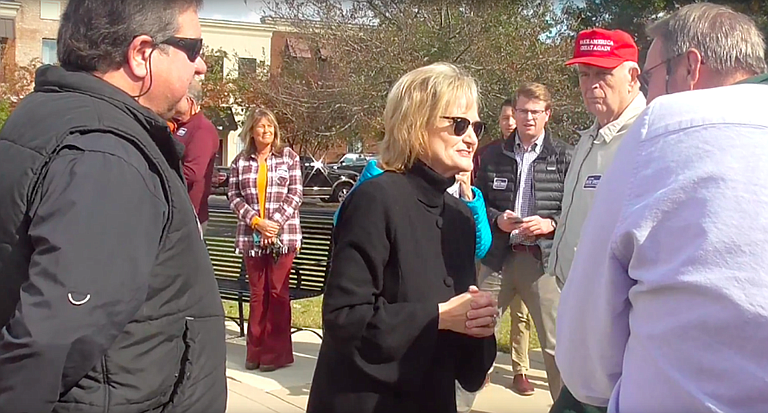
(284, 196)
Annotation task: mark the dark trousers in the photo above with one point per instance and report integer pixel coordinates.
(566, 403)
(268, 341)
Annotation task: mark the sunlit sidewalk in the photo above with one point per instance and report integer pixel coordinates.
(287, 390)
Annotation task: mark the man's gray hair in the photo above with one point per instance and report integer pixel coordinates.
(195, 91)
(94, 35)
(729, 42)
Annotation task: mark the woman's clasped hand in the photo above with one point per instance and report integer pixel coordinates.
(267, 228)
(473, 313)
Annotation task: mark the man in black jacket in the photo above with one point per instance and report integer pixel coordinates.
(107, 296)
(522, 183)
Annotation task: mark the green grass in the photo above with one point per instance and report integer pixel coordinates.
(307, 314)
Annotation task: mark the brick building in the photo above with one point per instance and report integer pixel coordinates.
(287, 45)
(28, 30)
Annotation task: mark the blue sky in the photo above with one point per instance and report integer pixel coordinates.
(233, 10)
(237, 9)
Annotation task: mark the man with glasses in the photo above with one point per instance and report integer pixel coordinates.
(108, 300)
(665, 307)
(606, 63)
(522, 183)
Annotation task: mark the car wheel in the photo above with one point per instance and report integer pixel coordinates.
(340, 192)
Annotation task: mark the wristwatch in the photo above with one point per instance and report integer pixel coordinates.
(554, 223)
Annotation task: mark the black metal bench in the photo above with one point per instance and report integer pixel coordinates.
(310, 267)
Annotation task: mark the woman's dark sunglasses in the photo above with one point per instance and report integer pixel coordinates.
(190, 46)
(461, 125)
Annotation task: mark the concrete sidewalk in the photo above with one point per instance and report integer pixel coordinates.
(287, 390)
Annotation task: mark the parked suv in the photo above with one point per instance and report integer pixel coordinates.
(352, 162)
(328, 184)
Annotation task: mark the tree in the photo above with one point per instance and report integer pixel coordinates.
(632, 16)
(371, 43)
(18, 81)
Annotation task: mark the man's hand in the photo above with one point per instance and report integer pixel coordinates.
(508, 221)
(536, 226)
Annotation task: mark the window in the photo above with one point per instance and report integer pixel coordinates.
(215, 64)
(49, 52)
(3, 51)
(50, 10)
(247, 66)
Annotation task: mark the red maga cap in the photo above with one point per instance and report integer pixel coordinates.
(603, 48)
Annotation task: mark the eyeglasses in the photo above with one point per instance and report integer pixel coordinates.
(192, 47)
(645, 77)
(532, 112)
(461, 125)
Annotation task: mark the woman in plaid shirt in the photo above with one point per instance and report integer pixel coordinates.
(265, 192)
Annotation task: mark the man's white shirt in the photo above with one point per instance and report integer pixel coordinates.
(666, 305)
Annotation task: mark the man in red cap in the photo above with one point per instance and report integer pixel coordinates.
(609, 79)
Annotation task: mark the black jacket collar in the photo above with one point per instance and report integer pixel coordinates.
(429, 186)
(55, 79)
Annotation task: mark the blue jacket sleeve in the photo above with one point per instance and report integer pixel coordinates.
(371, 170)
(483, 229)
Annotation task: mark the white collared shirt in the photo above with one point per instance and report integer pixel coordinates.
(666, 305)
(593, 154)
(525, 202)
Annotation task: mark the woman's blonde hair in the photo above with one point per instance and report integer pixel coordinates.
(255, 115)
(415, 103)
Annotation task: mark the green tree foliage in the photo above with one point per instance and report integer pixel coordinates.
(632, 16)
(370, 44)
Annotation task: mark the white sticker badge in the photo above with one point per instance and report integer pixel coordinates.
(499, 183)
(592, 181)
(282, 172)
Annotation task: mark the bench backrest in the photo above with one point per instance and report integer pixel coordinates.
(310, 267)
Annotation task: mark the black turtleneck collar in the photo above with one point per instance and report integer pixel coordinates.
(430, 186)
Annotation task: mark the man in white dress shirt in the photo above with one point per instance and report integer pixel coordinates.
(666, 304)
(609, 79)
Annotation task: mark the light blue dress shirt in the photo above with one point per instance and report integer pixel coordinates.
(666, 305)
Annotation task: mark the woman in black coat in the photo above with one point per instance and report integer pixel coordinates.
(401, 316)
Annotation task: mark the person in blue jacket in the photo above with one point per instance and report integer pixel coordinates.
(476, 205)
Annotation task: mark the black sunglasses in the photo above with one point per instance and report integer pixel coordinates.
(190, 46)
(461, 125)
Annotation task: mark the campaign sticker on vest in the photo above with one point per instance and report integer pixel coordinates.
(499, 183)
(282, 172)
(182, 132)
(592, 181)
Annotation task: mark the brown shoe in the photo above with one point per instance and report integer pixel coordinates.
(521, 385)
(266, 368)
(251, 365)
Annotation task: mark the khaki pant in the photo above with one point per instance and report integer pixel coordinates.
(522, 275)
(519, 335)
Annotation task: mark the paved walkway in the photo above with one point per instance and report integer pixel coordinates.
(287, 390)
